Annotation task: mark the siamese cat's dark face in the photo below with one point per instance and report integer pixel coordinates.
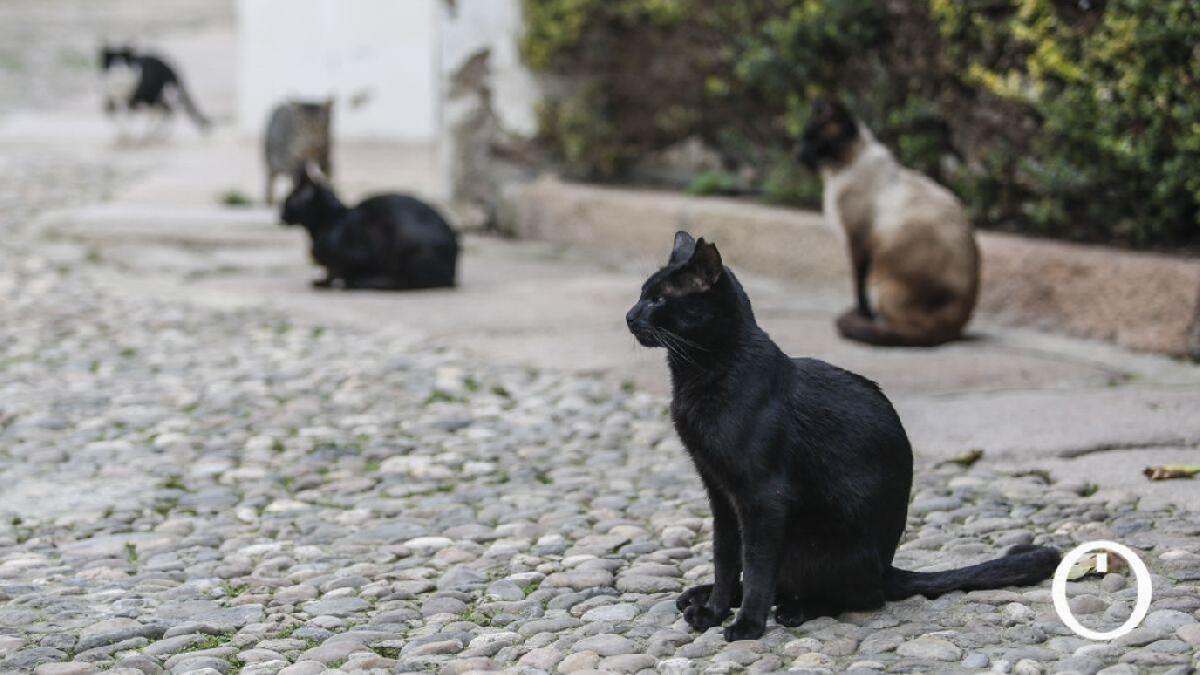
(679, 306)
(828, 137)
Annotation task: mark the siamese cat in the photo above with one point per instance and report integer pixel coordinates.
(912, 249)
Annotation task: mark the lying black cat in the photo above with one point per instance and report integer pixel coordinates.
(388, 242)
(806, 465)
(136, 82)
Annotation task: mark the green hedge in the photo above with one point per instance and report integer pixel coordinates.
(1067, 118)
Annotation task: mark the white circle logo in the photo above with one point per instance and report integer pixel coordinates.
(1058, 589)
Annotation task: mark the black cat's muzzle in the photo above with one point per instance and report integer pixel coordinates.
(640, 327)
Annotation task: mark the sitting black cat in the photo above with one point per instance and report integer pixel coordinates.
(388, 242)
(141, 82)
(806, 466)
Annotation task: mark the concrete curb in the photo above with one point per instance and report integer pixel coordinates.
(639, 224)
(1147, 302)
(1143, 301)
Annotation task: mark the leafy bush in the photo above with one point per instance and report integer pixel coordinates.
(1070, 118)
(713, 183)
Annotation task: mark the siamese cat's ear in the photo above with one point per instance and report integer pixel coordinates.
(682, 251)
(703, 270)
(833, 117)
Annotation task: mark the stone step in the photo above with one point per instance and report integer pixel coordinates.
(110, 224)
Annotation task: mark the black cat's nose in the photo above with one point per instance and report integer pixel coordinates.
(631, 316)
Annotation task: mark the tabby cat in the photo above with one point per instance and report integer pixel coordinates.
(298, 132)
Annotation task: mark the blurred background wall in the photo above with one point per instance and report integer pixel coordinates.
(377, 57)
(446, 73)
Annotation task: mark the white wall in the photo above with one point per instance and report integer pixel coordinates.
(495, 25)
(382, 51)
(466, 29)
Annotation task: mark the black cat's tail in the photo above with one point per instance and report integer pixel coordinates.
(190, 107)
(1022, 565)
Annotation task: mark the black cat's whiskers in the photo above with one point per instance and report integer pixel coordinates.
(684, 341)
(668, 340)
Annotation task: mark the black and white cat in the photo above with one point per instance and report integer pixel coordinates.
(138, 82)
(807, 466)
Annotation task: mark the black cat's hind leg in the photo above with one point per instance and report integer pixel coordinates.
(372, 283)
(328, 282)
(792, 611)
(698, 595)
(828, 583)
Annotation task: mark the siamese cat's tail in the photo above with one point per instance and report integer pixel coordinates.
(853, 326)
(190, 107)
(1023, 565)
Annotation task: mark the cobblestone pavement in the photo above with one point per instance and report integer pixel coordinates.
(197, 491)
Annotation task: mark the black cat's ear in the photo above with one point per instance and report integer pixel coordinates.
(685, 245)
(706, 261)
(702, 271)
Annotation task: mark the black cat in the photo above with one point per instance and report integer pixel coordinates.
(806, 465)
(136, 82)
(388, 242)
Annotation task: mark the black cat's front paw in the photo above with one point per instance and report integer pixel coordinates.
(745, 629)
(696, 595)
(327, 282)
(701, 618)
